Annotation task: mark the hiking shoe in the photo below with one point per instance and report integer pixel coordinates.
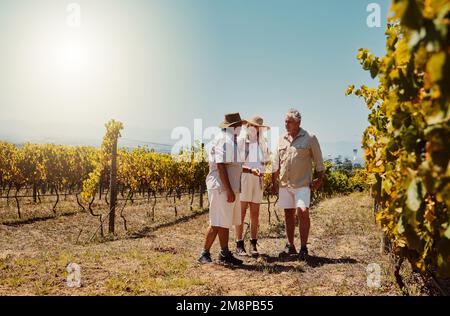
(303, 254)
(240, 249)
(289, 250)
(226, 257)
(253, 250)
(205, 257)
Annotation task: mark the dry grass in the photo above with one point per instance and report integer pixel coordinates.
(159, 258)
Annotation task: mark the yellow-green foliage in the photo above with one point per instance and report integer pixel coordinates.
(407, 144)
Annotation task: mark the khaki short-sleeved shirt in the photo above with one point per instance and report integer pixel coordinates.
(295, 159)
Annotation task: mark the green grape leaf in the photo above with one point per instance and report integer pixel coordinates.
(435, 66)
(402, 55)
(350, 90)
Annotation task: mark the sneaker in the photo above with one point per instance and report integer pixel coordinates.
(205, 257)
(289, 250)
(240, 249)
(226, 257)
(253, 250)
(303, 254)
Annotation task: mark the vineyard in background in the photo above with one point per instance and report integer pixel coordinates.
(407, 144)
(41, 173)
(54, 174)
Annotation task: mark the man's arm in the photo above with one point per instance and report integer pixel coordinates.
(223, 174)
(275, 186)
(318, 162)
(317, 183)
(275, 173)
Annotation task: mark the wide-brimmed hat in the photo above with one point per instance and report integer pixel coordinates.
(257, 121)
(232, 120)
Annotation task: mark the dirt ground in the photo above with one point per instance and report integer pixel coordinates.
(159, 257)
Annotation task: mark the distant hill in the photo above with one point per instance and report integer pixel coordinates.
(19, 132)
(79, 134)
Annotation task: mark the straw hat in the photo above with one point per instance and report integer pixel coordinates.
(257, 121)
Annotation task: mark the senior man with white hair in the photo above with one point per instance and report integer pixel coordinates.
(296, 153)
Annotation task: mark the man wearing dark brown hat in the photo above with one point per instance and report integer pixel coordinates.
(224, 184)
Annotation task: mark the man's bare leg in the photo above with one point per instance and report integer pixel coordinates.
(305, 224)
(224, 234)
(211, 234)
(254, 220)
(289, 217)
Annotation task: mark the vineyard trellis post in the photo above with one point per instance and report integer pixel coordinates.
(34, 193)
(113, 187)
(100, 186)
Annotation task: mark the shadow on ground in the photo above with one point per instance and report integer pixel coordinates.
(312, 261)
(148, 230)
(264, 268)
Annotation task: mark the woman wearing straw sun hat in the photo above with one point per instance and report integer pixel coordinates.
(255, 155)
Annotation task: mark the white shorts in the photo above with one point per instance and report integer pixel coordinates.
(294, 198)
(221, 213)
(252, 189)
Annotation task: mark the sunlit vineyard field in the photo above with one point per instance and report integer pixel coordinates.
(159, 258)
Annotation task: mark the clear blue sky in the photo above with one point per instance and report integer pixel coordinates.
(161, 64)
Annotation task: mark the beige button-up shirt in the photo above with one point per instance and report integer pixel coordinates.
(295, 158)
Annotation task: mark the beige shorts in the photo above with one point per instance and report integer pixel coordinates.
(251, 187)
(294, 198)
(221, 213)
